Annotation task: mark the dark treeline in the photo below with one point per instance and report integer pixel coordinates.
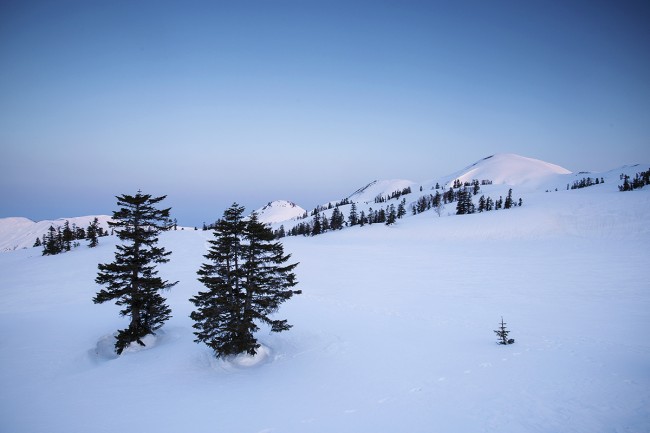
(640, 180)
(393, 195)
(460, 193)
(585, 182)
(64, 238)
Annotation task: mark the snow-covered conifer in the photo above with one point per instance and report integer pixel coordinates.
(247, 279)
(131, 280)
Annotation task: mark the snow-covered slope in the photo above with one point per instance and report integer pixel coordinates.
(393, 331)
(510, 169)
(377, 188)
(278, 211)
(17, 232)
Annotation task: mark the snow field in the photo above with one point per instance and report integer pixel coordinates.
(393, 332)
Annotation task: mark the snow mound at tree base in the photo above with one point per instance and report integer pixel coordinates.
(105, 348)
(149, 341)
(244, 360)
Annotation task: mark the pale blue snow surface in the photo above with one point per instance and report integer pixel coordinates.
(394, 332)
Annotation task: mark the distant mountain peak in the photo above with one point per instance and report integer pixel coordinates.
(278, 211)
(510, 169)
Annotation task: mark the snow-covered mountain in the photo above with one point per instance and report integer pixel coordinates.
(393, 331)
(505, 171)
(278, 211)
(510, 169)
(524, 175)
(377, 188)
(18, 232)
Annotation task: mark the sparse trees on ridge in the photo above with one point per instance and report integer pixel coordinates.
(131, 279)
(640, 180)
(63, 238)
(460, 193)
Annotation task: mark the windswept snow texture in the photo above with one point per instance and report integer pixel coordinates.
(17, 232)
(278, 211)
(393, 331)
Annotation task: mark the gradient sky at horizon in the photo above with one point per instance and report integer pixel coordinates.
(212, 102)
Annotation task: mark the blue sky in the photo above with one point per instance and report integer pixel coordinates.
(251, 101)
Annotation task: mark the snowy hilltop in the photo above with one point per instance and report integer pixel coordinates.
(278, 211)
(496, 182)
(394, 329)
(511, 169)
(17, 232)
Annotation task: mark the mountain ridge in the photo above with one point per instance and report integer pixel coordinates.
(504, 170)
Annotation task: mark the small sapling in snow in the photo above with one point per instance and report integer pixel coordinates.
(502, 333)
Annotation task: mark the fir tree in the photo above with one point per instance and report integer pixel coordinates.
(401, 209)
(247, 279)
(508, 203)
(476, 187)
(91, 233)
(67, 236)
(481, 204)
(381, 216)
(464, 205)
(489, 204)
(51, 242)
(325, 224)
(391, 216)
(80, 233)
(338, 220)
(502, 334)
(316, 226)
(353, 218)
(131, 280)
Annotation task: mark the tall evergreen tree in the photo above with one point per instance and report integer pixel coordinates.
(508, 203)
(80, 233)
(247, 279)
(481, 203)
(325, 224)
(218, 309)
(51, 242)
(131, 280)
(391, 215)
(67, 236)
(465, 204)
(92, 232)
(354, 217)
(316, 225)
(401, 209)
(338, 220)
